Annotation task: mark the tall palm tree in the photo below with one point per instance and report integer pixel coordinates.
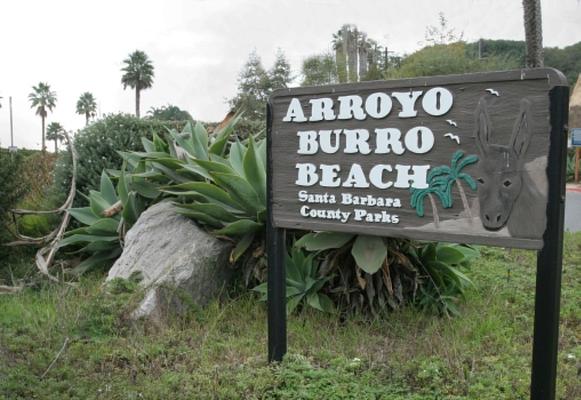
(137, 74)
(533, 33)
(55, 131)
(44, 100)
(87, 105)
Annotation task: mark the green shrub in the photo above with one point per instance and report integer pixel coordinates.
(12, 190)
(37, 175)
(97, 146)
(221, 184)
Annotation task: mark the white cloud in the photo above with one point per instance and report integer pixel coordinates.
(198, 47)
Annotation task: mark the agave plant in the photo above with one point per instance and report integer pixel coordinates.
(224, 192)
(383, 272)
(303, 283)
(446, 283)
(110, 213)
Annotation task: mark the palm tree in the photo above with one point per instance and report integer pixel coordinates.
(87, 105)
(44, 100)
(533, 33)
(55, 131)
(448, 176)
(138, 75)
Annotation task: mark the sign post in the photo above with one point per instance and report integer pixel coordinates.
(576, 142)
(476, 158)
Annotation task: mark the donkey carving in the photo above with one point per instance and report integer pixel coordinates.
(507, 193)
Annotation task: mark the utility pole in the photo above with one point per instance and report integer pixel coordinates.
(12, 148)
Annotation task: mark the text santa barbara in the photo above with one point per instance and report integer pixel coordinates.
(389, 141)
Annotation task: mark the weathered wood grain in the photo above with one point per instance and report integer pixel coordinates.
(455, 226)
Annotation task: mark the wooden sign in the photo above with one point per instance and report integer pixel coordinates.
(477, 158)
(457, 158)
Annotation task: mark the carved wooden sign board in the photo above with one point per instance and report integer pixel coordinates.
(460, 158)
(477, 158)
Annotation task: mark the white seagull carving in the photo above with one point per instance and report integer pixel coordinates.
(451, 122)
(494, 92)
(453, 137)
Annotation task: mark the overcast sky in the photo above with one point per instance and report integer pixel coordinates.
(199, 46)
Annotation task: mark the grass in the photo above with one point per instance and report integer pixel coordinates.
(219, 352)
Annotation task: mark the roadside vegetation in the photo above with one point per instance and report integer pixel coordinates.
(220, 352)
(370, 317)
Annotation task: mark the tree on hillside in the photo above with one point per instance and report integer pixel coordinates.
(280, 74)
(319, 69)
(253, 88)
(137, 74)
(449, 59)
(169, 113)
(55, 131)
(44, 100)
(567, 60)
(441, 33)
(87, 106)
(357, 58)
(533, 33)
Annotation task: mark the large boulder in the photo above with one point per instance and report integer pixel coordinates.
(179, 263)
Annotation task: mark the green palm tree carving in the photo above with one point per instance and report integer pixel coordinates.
(418, 196)
(441, 181)
(447, 176)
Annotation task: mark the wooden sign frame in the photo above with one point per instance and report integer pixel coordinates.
(549, 257)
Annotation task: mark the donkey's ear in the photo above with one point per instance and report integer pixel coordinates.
(483, 127)
(521, 132)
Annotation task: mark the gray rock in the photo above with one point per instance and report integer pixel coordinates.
(180, 263)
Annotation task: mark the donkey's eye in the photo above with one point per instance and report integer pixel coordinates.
(480, 180)
(507, 183)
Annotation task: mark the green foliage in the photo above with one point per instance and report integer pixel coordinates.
(101, 236)
(279, 76)
(389, 271)
(567, 60)
(446, 284)
(219, 352)
(42, 98)
(220, 185)
(513, 49)
(255, 85)
(253, 89)
(87, 106)
(55, 132)
(319, 69)
(97, 146)
(304, 283)
(449, 59)
(12, 190)
(169, 113)
(137, 71)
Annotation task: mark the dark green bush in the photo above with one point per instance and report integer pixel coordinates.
(12, 190)
(97, 146)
